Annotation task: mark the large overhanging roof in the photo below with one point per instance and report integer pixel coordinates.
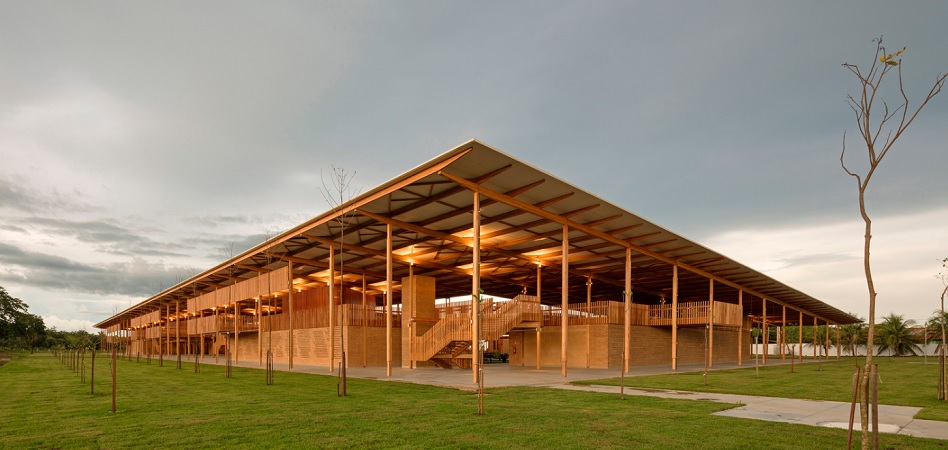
(523, 212)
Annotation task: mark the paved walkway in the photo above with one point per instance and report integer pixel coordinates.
(892, 419)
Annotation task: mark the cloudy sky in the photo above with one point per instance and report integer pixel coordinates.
(138, 138)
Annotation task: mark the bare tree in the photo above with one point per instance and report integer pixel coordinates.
(889, 125)
(338, 191)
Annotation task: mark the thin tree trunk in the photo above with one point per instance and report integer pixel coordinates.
(943, 368)
(870, 338)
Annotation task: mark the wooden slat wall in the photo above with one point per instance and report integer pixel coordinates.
(265, 284)
(156, 332)
(205, 301)
(695, 313)
(201, 325)
(146, 319)
(225, 323)
(311, 310)
(728, 314)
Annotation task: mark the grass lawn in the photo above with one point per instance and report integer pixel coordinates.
(904, 381)
(44, 405)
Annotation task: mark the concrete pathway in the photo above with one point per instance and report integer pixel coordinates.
(892, 419)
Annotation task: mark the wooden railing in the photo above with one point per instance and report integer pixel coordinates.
(163, 332)
(695, 313)
(596, 313)
(225, 324)
(201, 325)
(496, 320)
(261, 285)
(355, 315)
(456, 328)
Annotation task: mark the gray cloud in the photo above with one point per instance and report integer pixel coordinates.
(16, 193)
(213, 221)
(818, 258)
(107, 236)
(14, 256)
(14, 228)
(136, 277)
(218, 248)
(192, 127)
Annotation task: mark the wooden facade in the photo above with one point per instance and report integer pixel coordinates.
(561, 277)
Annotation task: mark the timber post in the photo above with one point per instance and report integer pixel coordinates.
(674, 349)
(564, 308)
(627, 297)
(539, 328)
(114, 374)
(740, 329)
(710, 323)
(475, 291)
(388, 299)
(765, 332)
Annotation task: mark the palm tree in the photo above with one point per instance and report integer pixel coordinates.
(821, 339)
(853, 335)
(895, 333)
(934, 325)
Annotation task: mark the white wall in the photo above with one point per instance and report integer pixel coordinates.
(774, 349)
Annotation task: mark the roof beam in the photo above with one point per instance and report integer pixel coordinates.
(487, 192)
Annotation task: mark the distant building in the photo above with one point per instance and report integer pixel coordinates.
(563, 278)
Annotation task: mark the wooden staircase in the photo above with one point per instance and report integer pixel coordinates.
(451, 355)
(448, 343)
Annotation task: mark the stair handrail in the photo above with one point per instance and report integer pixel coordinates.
(494, 324)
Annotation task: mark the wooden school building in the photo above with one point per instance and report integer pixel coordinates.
(470, 246)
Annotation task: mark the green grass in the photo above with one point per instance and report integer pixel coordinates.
(903, 381)
(44, 405)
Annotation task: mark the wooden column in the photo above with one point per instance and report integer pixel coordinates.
(201, 334)
(187, 323)
(589, 284)
(740, 329)
(766, 332)
(409, 313)
(564, 286)
(289, 318)
(332, 308)
(167, 349)
(783, 334)
(365, 326)
(540, 327)
(827, 339)
(476, 286)
(177, 328)
(814, 337)
(837, 343)
(800, 335)
(388, 299)
(711, 322)
(258, 311)
(628, 307)
(675, 317)
(236, 330)
(217, 335)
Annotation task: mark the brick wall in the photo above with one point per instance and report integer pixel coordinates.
(311, 346)
(649, 346)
